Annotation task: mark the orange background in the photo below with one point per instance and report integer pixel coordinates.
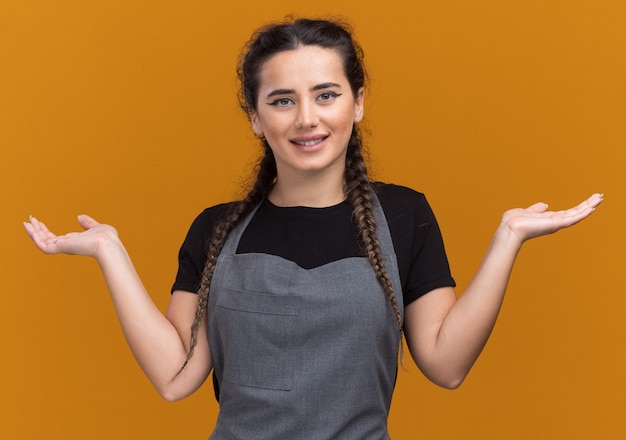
(127, 111)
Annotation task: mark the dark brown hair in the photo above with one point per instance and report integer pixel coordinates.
(265, 43)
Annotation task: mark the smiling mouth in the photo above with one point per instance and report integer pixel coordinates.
(311, 142)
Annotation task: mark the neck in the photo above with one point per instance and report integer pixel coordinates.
(317, 191)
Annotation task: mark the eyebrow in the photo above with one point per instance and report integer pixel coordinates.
(326, 85)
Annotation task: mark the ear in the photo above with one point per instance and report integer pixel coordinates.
(256, 124)
(358, 105)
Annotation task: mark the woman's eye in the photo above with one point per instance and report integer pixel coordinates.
(281, 102)
(327, 96)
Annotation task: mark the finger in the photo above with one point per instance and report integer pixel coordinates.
(574, 215)
(29, 229)
(591, 202)
(578, 212)
(538, 207)
(87, 222)
(38, 230)
(586, 207)
(43, 239)
(595, 200)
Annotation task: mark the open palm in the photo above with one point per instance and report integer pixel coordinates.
(536, 220)
(75, 243)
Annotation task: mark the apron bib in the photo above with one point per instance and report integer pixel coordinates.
(302, 354)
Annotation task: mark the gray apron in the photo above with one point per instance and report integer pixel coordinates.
(302, 354)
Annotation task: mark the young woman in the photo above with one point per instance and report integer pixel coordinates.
(297, 296)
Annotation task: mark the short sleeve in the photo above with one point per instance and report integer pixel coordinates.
(193, 252)
(418, 242)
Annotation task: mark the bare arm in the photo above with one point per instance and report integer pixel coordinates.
(446, 335)
(159, 343)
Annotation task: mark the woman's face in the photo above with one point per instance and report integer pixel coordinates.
(306, 110)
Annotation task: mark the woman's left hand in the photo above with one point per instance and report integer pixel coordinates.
(445, 334)
(536, 220)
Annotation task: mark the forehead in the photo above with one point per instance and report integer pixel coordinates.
(304, 66)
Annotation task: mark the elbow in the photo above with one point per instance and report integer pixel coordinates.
(177, 387)
(450, 381)
(174, 390)
(170, 392)
(445, 374)
(168, 396)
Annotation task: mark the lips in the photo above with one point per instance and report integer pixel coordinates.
(309, 142)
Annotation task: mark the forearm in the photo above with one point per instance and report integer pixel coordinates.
(155, 342)
(159, 343)
(446, 335)
(470, 321)
(448, 353)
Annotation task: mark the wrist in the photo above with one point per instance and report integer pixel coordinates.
(109, 247)
(505, 237)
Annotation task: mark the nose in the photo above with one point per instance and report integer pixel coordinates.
(307, 116)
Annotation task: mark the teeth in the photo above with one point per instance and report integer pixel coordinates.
(309, 143)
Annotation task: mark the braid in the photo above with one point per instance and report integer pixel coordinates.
(359, 194)
(235, 212)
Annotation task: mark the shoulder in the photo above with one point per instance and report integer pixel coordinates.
(204, 223)
(399, 201)
(210, 215)
(391, 193)
(422, 261)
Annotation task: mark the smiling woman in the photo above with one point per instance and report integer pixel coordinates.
(296, 297)
(306, 111)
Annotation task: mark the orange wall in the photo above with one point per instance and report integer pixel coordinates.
(127, 111)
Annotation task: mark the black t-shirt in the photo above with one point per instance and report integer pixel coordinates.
(312, 237)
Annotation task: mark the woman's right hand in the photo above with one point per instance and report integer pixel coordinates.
(159, 343)
(87, 243)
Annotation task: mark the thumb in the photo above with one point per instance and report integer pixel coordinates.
(538, 207)
(87, 222)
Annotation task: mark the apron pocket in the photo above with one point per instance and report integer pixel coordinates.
(257, 334)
